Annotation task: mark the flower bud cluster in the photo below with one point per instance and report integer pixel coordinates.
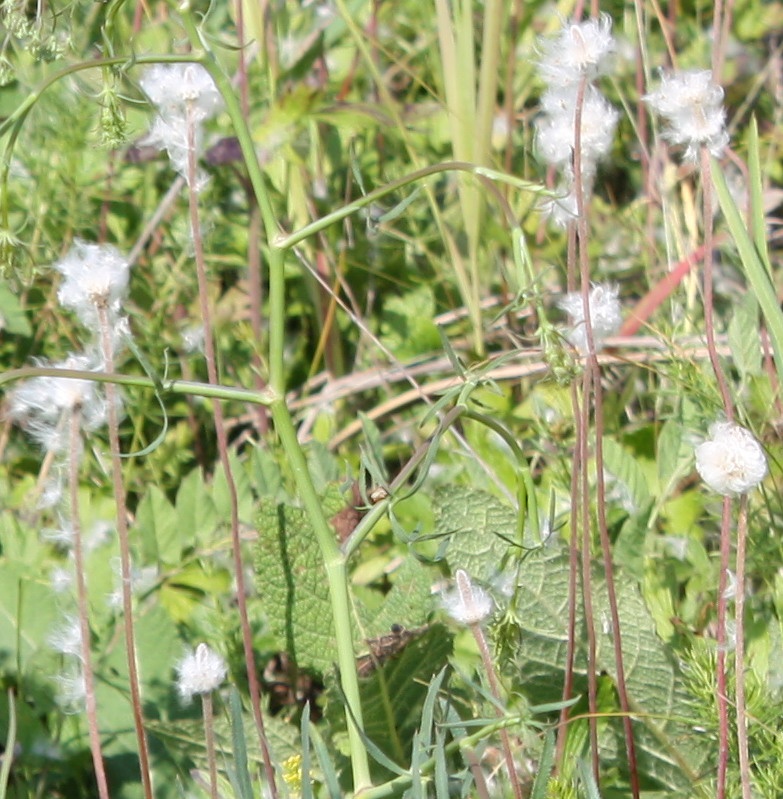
(570, 63)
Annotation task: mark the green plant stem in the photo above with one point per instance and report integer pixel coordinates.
(334, 562)
(292, 239)
(10, 744)
(186, 387)
(336, 573)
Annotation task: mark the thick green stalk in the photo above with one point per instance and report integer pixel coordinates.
(333, 559)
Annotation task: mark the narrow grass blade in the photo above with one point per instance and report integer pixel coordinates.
(591, 789)
(327, 766)
(441, 767)
(545, 764)
(239, 747)
(753, 264)
(755, 185)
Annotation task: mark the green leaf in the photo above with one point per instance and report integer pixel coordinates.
(475, 520)
(196, 512)
(221, 494)
(666, 751)
(28, 612)
(159, 528)
(266, 476)
(409, 602)
(623, 466)
(674, 455)
(744, 339)
(12, 316)
(754, 263)
(393, 696)
(407, 328)
(292, 584)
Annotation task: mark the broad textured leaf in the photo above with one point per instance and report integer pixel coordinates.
(476, 521)
(393, 696)
(407, 328)
(408, 603)
(668, 755)
(291, 581)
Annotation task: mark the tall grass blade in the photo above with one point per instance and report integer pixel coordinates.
(239, 747)
(753, 264)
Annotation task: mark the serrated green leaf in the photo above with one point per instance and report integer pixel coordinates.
(663, 739)
(475, 520)
(292, 584)
(409, 602)
(744, 339)
(393, 696)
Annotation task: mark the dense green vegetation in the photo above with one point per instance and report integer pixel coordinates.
(370, 426)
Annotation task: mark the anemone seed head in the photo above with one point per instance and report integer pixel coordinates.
(731, 461)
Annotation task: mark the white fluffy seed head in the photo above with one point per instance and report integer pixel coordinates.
(174, 87)
(731, 461)
(467, 603)
(185, 96)
(41, 405)
(95, 276)
(556, 127)
(581, 50)
(605, 315)
(200, 672)
(67, 638)
(692, 105)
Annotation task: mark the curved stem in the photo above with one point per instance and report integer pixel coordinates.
(330, 552)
